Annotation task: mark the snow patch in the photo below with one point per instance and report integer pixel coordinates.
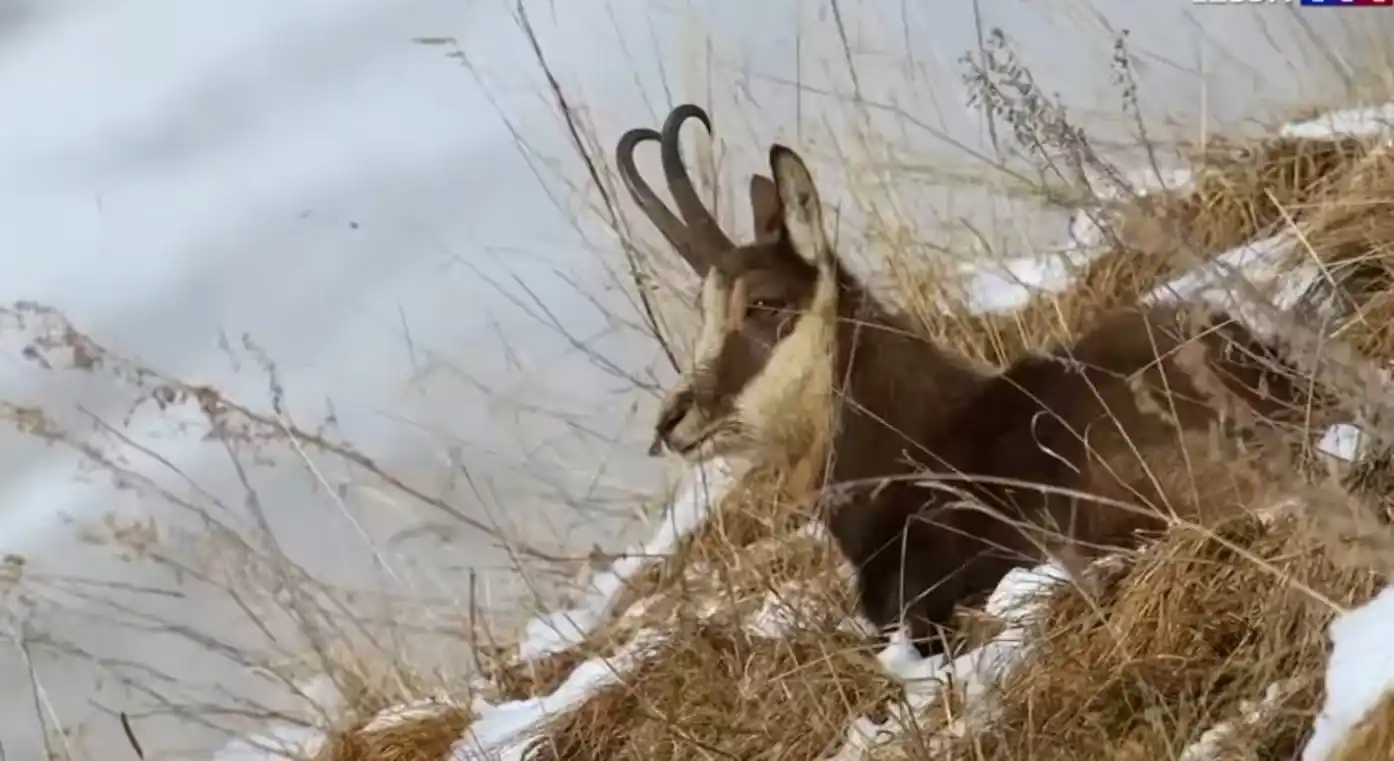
(506, 731)
(1366, 121)
(1213, 741)
(1260, 262)
(1086, 226)
(1019, 591)
(1359, 673)
(1016, 597)
(1342, 440)
(416, 710)
(284, 740)
(1006, 284)
(701, 488)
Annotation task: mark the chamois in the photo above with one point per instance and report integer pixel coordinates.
(1058, 455)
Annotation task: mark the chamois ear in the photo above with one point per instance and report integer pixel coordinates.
(765, 208)
(803, 212)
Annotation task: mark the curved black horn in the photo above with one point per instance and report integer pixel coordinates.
(674, 229)
(699, 220)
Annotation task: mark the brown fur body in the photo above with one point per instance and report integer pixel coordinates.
(1080, 422)
(796, 356)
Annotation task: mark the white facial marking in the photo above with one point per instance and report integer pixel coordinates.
(716, 292)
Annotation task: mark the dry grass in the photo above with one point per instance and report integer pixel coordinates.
(720, 690)
(1336, 190)
(756, 546)
(1373, 737)
(1184, 635)
(427, 737)
(1176, 642)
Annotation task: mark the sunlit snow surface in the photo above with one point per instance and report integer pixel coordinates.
(557, 631)
(504, 731)
(284, 740)
(1360, 672)
(1366, 121)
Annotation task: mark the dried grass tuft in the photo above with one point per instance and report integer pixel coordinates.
(1337, 190)
(1179, 638)
(425, 737)
(716, 690)
(1373, 737)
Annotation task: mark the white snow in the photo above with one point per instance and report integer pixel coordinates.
(505, 731)
(701, 488)
(1006, 284)
(1257, 261)
(1365, 121)
(1085, 229)
(1360, 672)
(1001, 285)
(1343, 441)
(1017, 593)
(1252, 284)
(1212, 742)
(417, 710)
(283, 740)
(973, 673)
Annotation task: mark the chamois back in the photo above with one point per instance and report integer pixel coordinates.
(1069, 453)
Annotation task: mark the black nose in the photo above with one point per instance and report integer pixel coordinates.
(668, 418)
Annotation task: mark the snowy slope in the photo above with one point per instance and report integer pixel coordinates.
(1360, 672)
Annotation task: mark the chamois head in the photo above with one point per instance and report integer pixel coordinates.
(769, 307)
